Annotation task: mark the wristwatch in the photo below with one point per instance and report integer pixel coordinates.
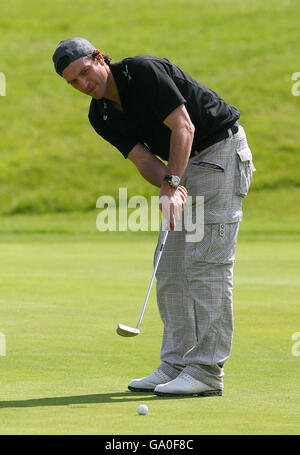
(173, 180)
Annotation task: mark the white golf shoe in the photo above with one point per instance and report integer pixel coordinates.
(148, 383)
(186, 385)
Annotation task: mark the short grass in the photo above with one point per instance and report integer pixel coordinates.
(66, 370)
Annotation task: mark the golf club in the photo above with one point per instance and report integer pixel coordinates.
(124, 330)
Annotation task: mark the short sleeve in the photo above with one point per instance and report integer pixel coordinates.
(155, 86)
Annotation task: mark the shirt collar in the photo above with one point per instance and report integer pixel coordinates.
(121, 76)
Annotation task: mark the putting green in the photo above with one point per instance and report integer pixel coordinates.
(66, 370)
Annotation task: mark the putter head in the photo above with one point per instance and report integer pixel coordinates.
(125, 331)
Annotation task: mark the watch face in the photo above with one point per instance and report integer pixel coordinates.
(175, 180)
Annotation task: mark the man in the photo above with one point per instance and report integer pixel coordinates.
(151, 110)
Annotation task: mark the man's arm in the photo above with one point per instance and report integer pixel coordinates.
(154, 170)
(150, 167)
(182, 134)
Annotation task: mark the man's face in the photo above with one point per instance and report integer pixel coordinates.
(87, 75)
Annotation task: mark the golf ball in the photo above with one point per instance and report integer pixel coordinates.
(143, 409)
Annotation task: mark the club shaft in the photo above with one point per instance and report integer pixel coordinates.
(153, 276)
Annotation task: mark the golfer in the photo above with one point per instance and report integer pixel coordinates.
(186, 140)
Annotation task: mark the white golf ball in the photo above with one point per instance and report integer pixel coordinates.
(143, 409)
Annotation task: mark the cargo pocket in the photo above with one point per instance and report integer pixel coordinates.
(245, 169)
(218, 244)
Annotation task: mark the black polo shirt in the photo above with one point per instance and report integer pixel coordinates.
(150, 88)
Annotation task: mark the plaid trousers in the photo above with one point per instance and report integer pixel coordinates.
(195, 279)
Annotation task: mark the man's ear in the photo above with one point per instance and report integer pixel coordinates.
(97, 54)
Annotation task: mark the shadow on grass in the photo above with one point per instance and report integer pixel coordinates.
(119, 397)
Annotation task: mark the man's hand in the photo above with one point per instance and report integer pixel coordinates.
(171, 202)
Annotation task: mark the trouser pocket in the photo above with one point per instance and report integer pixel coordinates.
(207, 165)
(244, 169)
(217, 246)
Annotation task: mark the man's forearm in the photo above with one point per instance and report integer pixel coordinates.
(149, 166)
(180, 149)
(153, 171)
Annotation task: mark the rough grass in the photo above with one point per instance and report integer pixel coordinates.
(52, 161)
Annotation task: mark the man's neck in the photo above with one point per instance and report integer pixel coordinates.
(112, 92)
